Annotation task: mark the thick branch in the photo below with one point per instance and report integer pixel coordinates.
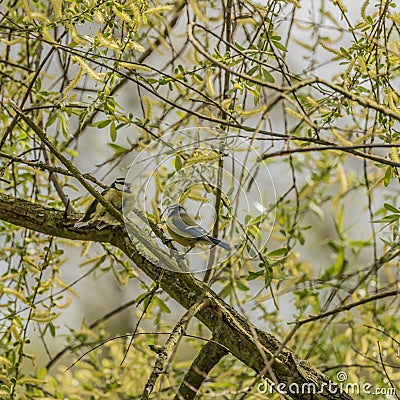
(209, 356)
(230, 329)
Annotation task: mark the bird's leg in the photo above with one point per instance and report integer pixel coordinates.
(187, 251)
(178, 256)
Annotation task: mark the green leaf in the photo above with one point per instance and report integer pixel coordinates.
(388, 176)
(64, 126)
(113, 131)
(253, 231)
(238, 46)
(41, 374)
(72, 152)
(141, 297)
(53, 117)
(279, 46)
(267, 76)
(241, 285)
(254, 275)
(278, 252)
(118, 149)
(268, 275)
(333, 246)
(391, 208)
(253, 70)
(161, 305)
(389, 218)
(257, 220)
(101, 124)
(340, 262)
(52, 329)
(178, 163)
(146, 303)
(226, 291)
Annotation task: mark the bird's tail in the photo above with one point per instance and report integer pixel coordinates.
(219, 243)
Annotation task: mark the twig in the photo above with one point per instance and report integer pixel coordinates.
(166, 350)
(347, 307)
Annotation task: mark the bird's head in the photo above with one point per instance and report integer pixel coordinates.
(122, 185)
(175, 209)
(127, 187)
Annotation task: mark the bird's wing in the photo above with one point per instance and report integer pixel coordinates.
(91, 210)
(218, 242)
(193, 230)
(88, 214)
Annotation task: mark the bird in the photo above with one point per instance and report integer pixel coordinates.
(184, 230)
(119, 194)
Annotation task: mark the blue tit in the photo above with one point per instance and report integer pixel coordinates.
(116, 194)
(184, 230)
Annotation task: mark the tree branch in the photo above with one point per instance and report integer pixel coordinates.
(166, 350)
(209, 356)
